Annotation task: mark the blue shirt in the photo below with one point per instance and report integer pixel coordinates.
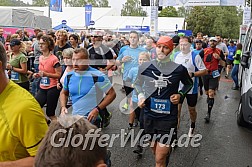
(132, 77)
(231, 52)
(133, 53)
(82, 87)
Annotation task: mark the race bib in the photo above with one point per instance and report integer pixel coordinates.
(161, 106)
(215, 74)
(45, 81)
(231, 54)
(14, 76)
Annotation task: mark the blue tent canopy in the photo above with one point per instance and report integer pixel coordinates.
(64, 27)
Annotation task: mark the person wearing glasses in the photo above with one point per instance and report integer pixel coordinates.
(49, 72)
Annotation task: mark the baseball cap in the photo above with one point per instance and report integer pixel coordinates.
(15, 42)
(167, 41)
(213, 39)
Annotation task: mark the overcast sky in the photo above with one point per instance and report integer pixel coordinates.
(113, 3)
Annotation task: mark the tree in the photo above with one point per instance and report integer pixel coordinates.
(13, 3)
(168, 11)
(132, 8)
(215, 20)
(40, 3)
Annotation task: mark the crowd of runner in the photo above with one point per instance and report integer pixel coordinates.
(71, 70)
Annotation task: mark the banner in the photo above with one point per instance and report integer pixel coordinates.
(232, 3)
(56, 5)
(88, 15)
(201, 2)
(154, 21)
(247, 15)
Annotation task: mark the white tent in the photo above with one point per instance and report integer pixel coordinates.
(105, 18)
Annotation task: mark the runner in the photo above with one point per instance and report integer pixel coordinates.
(211, 57)
(196, 68)
(197, 50)
(67, 57)
(134, 109)
(49, 72)
(18, 64)
(160, 97)
(230, 59)
(82, 84)
(22, 122)
(101, 58)
(129, 57)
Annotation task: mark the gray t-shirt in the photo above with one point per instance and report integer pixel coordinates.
(222, 46)
(37, 52)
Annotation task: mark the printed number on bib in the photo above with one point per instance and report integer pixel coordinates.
(161, 106)
(45, 81)
(14, 76)
(215, 74)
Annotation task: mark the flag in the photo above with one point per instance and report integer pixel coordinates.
(88, 14)
(56, 5)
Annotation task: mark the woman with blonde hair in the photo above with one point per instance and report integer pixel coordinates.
(17, 65)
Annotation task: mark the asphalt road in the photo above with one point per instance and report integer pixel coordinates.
(223, 143)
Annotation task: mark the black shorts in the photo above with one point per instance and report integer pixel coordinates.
(127, 88)
(160, 130)
(210, 82)
(191, 99)
(230, 62)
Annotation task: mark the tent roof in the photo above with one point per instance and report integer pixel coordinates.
(120, 22)
(63, 26)
(105, 18)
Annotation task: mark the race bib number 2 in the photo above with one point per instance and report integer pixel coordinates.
(161, 106)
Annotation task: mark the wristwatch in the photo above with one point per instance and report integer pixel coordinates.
(192, 75)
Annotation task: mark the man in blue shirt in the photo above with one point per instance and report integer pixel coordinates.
(230, 59)
(130, 59)
(82, 84)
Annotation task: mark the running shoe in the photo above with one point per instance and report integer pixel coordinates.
(125, 106)
(138, 150)
(107, 120)
(190, 133)
(207, 118)
(127, 131)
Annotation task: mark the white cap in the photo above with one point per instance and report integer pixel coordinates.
(213, 39)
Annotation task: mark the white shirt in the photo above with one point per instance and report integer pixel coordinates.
(187, 61)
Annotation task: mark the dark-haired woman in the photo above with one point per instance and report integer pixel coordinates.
(49, 72)
(74, 41)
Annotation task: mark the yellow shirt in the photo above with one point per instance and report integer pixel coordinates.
(22, 123)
